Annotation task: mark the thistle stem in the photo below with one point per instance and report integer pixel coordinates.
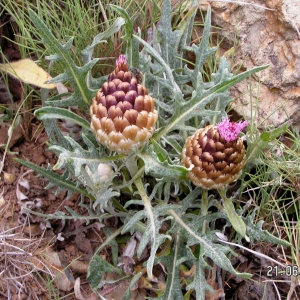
(204, 209)
(147, 204)
(150, 214)
(178, 219)
(222, 193)
(131, 164)
(109, 240)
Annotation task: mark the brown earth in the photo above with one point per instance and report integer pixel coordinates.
(36, 235)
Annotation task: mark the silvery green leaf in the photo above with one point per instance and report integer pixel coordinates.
(256, 233)
(199, 283)
(100, 38)
(235, 220)
(61, 181)
(161, 168)
(79, 157)
(45, 113)
(77, 76)
(133, 282)
(173, 287)
(96, 269)
(103, 196)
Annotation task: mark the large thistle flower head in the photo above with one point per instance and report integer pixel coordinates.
(122, 112)
(215, 154)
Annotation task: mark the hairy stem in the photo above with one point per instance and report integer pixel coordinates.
(204, 209)
(131, 164)
(148, 209)
(178, 219)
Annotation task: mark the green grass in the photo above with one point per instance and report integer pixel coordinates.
(80, 19)
(273, 186)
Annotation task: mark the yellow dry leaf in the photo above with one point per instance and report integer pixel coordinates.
(28, 71)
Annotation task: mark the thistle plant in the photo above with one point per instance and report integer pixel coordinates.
(139, 133)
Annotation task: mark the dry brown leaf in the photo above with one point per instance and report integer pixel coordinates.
(24, 183)
(83, 244)
(32, 230)
(28, 71)
(80, 266)
(212, 281)
(54, 261)
(118, 288)
(16, 135)
(77, 291)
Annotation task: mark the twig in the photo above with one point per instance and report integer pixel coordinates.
(254, 252)
(220, 282)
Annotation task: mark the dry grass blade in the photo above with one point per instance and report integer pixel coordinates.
(18, 264)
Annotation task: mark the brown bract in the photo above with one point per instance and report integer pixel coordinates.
(122, 112)
(215, 163)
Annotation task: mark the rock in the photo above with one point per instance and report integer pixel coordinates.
(268, 35)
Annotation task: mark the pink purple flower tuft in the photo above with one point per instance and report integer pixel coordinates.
(121, 60)
(230, 130)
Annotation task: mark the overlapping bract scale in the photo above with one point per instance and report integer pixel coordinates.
(215, 162)
(123, 114)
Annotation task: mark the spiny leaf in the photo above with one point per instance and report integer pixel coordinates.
(161, 61)
(53, 131)
(154, 222)
(196, 104)
(208, 100)
(78, 76)
(55, 179)
(132, 50)
(45, 113)
(199, 283)
(186, 26)
(202, 51)
(161, 168)
(216, 252)
(173, 287)
(96, 269)
(170, 39)
(87, 53)
(75, 75)
(256, 233)
(268, 136)
(77, 156)
(103, 196)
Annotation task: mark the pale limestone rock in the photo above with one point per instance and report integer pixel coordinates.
(263, 37)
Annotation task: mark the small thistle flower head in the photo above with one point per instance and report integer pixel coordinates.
(230, 130)
(123, 114)
(215, 155)
(105, 172)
